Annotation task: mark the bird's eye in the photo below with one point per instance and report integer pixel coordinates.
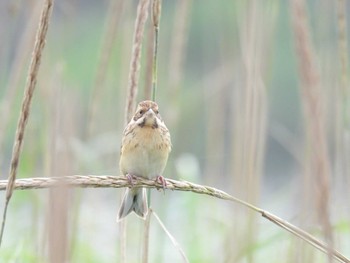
(156, 112)
(141, 112)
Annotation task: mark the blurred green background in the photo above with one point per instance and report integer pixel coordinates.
(228, 86)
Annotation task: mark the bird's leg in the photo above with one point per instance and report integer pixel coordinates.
(160, 179)
(131, 178)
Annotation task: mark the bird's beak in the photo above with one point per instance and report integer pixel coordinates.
(150, 113)
(150, 118)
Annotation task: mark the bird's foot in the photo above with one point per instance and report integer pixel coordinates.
(131, 179)
(160, 179)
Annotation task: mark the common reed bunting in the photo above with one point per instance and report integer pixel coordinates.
(144, 152)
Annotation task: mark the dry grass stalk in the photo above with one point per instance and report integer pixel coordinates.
(145, 248)
(108, 181)
(317, 153)
(115, 11)
(172, 239)
(147, 91)
(122, 240)
(58, 225)
(156, 11)
(134, 72)
(61, 122)
(28, 94)
(250, 116)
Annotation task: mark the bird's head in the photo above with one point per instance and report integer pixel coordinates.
(147, 114)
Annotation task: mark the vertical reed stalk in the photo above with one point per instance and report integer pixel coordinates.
(317, 181)
(122, 240)
(134, 74)
(145, 247)
(60, 162)
(147, 91)
(25, 110)
(250, 117)
(156, 11)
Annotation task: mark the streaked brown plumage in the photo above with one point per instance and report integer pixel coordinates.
(144, 152)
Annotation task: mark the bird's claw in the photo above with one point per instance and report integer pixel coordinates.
(160, 179)
(131, 178)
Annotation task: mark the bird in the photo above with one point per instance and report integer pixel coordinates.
(145, 148)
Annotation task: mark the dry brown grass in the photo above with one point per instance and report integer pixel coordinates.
(146, 237)
(156, 12)
(134, 74)
(104, 181)
(147, 90)
(317, 176)
(62, 122)
(250, 117)
(27, 99)
(134, 71)
(240, 71)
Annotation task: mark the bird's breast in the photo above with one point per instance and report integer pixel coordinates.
(145, 152)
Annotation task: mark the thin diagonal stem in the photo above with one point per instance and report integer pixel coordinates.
(107, 181)
(27, 99)
(172, 239)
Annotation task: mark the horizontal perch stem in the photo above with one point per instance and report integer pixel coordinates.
(104, 181)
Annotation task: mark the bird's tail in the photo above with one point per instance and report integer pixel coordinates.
(135, 199)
